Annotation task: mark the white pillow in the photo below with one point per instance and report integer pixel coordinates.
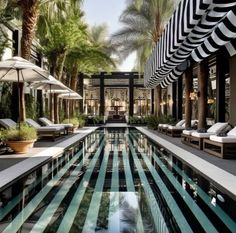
(217, 127)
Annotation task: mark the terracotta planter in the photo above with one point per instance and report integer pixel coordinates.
(21, 147)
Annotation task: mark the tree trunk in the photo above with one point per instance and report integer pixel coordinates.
(51, 108)
(59, 71)
(60, 64)
(73, 86)
(188, 102)
(202, 94)
(158, 105)
(30, 13)
(81, 92)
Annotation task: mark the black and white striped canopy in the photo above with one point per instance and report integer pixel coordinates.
(197, 29)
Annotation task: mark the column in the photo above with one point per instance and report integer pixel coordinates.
(203, 74)
(188, 103)
(102, 98)
(174, 98)
(152, 101)
(179, 99)
(232, 72)
(222, 65)
(131, 96)
(81, 92)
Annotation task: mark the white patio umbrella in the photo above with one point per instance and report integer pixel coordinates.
(53, 86)
(17, 69)
(70, 96)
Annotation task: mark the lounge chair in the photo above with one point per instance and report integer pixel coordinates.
(176, 131)
(195, 138)
(53, 132)
(222, 146)
(163, 127)
(7, 123)
(68, 127)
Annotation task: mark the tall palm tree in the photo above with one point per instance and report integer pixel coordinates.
(58, 36)
(91, 58)
(143, 21)
(29, 13)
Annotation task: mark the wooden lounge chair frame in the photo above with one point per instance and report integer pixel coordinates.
(54, 134)
(223, 150)
(195, 142)
(174, 132)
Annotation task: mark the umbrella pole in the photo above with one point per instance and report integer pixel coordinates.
(50, 96)
(19, 97)
(68, 103)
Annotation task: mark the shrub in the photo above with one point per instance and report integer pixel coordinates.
(74, 121)
(134, 120)
(22, 133)
(153, 121)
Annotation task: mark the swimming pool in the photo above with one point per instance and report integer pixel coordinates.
(116, 180)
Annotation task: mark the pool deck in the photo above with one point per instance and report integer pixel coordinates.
(13, 166)
(220, 171)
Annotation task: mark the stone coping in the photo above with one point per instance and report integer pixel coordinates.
(216, 175)
(9, 175)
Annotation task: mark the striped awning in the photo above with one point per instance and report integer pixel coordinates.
(197, 29)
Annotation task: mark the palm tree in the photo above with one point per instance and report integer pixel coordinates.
(4, 40)
(29, 12)
(58, 36)
(91, 58)
(143, 25)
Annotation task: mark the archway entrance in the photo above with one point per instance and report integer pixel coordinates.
(116, 103)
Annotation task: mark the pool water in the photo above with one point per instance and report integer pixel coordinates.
(116, 180)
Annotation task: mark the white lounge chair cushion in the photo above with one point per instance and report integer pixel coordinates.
(227, 139)
(171, 127)
(49, 123)
(8, 123)
(202, 135)
(163, 126)
(232, 132)
(188, 132)
(180, 123)
(46, 121)
(49, 129)
(37, 126)
(64, 125)
(217, 127)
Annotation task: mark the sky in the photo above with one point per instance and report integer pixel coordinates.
(107, 11)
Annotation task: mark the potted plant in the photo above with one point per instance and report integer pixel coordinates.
(21, 139)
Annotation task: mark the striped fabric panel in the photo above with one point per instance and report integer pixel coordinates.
(193, 27)
(222, 35)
